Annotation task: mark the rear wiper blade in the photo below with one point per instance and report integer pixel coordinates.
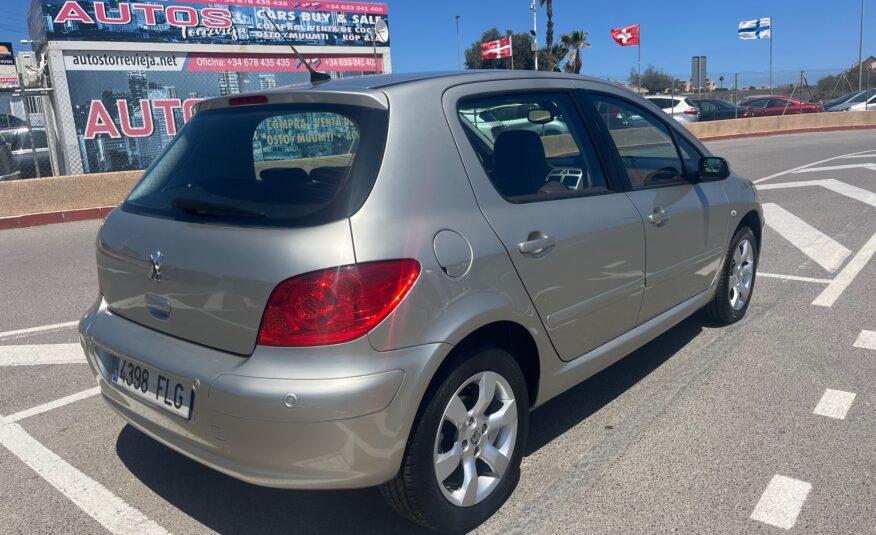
(213, 209)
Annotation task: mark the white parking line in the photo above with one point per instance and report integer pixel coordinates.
(870, 166)
(94, 499)
(34, 355)
(32, 330)
(793, 278)
(781, 502)
(782, 173)
(46, 407)
(866, 340)
(834, 404)
(824, 250)
(836, 186)
(844, 278)
(871, 155)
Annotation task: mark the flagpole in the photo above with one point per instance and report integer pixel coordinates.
(639, 50)
(771, 55)
(511, 40)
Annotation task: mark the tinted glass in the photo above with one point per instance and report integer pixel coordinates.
(266, 165)
(643, 141)
(662, 103)
(761, 103)
(778, 103)
(20, 139)
(533, 161)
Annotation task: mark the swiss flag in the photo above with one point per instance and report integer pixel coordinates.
(626, 36)
(496, 49)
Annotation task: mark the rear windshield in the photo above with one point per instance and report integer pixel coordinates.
(278, 165)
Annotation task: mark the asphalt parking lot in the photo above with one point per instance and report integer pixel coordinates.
(766, 426)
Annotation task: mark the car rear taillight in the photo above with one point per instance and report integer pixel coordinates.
(692, 111)
(335, 305)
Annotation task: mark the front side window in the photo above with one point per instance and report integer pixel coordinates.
(644, 143)
(532, 147)
(266, 165)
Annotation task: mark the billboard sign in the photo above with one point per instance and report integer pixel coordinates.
(127, 106)
(239, 22)
(8, 74)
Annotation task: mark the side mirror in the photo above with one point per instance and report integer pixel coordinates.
(539, 116)
(714, 168)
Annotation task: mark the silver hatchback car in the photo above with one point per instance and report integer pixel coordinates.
(354, 283)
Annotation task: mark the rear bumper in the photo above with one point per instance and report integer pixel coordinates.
(350, 415)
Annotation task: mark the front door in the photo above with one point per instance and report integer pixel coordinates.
(684, 228)
(577, 243)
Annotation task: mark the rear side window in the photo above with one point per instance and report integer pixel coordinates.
(539, 150)
(662, 103)
(266, 165)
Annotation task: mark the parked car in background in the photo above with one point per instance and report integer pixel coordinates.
(8, 169)
(867, 105)
(386, 308)
(715, 109)
(828, 106)
(771, 106)
(680, 108)
(19, 141)
(855, 101)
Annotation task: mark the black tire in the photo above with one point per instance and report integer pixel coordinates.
(720, 309)
(415, 492)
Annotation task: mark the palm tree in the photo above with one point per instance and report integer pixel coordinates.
(574, 42)
(554, 56)
(550, 21)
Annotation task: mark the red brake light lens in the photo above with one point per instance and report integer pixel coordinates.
(692, 111)
(335, 305)
(248, 100)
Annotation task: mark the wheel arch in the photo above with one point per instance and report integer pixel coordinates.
(751, 220)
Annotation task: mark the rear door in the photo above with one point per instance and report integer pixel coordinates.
(684, 222)
(576, 241)
(242, 200)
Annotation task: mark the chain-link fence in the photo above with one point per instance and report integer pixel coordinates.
(809, 85)
(24, 144)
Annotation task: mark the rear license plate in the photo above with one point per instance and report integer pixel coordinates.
(148, 384)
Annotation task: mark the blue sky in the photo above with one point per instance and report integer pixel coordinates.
(818, 39)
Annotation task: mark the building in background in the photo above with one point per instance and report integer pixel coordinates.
(125, 76)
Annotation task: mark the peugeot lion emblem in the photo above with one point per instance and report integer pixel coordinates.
(155, 263)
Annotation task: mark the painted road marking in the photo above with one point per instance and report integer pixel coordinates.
(870, 166)
(834, 404)
(33, 355)
(32, 330)
(866, 340)
(793, 278)
(854, 192)
(844, 278)
(824, 250)
(859, 156)
(46, 407)
(781, 502)
(782, 173)
(94, 499)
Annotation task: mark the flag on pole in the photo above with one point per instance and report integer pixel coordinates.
(756, 29)
(496, 49)
(626, 36)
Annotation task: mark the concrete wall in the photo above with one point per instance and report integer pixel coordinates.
(787, 124)
(38, 195)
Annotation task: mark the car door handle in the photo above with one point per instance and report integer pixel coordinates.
(659, 217)
(538, 244)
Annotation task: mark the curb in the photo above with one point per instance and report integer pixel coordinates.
(49, 218)
(792, 131)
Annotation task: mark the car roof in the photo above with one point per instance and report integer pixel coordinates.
(373, 85)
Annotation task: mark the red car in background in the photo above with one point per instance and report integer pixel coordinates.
(769, 106)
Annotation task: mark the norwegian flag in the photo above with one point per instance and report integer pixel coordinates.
(496, 49)
(626, 36)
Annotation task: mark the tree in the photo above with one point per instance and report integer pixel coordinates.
(653, 79)
(521, 47)
(549, 35)
(550, 59)
(574, 42)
